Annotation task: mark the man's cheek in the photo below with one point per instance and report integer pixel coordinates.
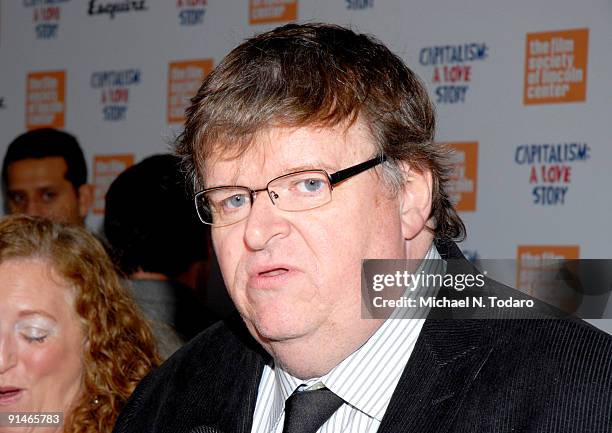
(228, 258)
(224, 247)
(228, 271)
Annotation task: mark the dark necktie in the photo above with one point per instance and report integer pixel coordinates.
(306, 411)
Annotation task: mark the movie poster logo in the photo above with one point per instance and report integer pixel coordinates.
(114, 89)
(556, 67)
(112, 8)
(539, 270)
(551, 169)
(463, 182)
(184, 80)
(452, 69)
(272, 11)
(45, 16)
(106, 170)
(356, 5)
(45, 99)
(191, 12)
(473, 256)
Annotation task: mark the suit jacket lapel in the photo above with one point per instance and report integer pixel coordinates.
(446, 359)
(236, 414)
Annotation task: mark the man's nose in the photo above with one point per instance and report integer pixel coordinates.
(35, 208)
(8, 354)
(265, 222)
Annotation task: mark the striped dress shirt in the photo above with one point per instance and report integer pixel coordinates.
(365, 380)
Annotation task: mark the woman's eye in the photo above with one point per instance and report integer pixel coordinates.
(34, 335)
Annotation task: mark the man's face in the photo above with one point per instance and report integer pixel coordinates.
(295, 276)
(38, 187)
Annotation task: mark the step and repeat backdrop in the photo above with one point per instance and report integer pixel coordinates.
(522, 90)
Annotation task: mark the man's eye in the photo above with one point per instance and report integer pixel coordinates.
(48, 196)
(310, 185)
(16, 198)
(234, 202)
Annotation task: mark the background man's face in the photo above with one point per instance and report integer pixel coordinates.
(38, 186)
(295, 276)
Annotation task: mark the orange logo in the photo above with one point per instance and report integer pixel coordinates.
(272, 11)
(556, 67)
(538, 273)
(45, 103)
(106, 169)
(462, 185)
(184, 80)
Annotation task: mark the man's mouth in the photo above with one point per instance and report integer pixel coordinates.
(273, 272)
(269, 277)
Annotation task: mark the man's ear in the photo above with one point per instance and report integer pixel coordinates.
(86, 198)
(415, 201)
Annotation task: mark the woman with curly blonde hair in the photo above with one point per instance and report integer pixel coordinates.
(71, 340)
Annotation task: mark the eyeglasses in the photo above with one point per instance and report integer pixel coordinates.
(302, 190)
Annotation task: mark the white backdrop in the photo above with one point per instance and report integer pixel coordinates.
(534, 174)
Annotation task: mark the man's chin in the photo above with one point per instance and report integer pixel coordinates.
(274, 331)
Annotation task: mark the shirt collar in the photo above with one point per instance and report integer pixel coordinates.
(367, 378)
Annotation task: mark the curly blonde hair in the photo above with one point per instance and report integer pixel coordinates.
(120, 348)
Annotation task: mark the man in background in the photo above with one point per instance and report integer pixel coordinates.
(157, 241)
(44, 173)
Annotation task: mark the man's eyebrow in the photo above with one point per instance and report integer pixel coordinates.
(287, 170)
(306, 167)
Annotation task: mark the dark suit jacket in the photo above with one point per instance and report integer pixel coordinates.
(536, 375)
